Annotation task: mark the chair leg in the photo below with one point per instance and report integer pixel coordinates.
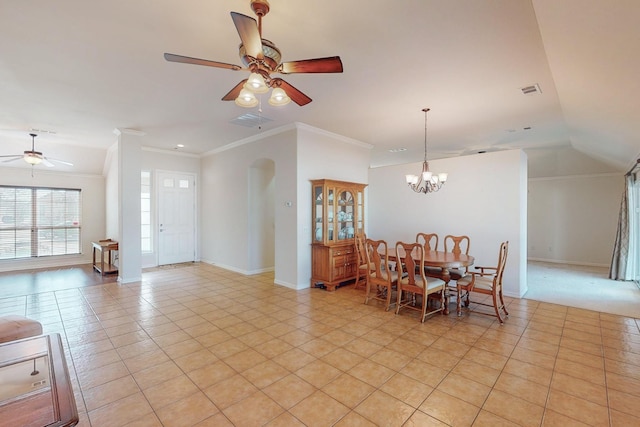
(389, 292)
(367, 292)
(504, 307)
(496, 308)
(398, 301)
(459, 296)
(425, 302)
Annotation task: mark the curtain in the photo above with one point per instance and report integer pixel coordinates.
(625, 250)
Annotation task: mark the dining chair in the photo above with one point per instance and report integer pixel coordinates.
(430, 243)
(363, 265)
(428, 240)
(412, 281)
(488, 281)
(457, 245)
(381, 277)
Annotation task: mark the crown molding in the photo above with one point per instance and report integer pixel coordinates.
(286, 128)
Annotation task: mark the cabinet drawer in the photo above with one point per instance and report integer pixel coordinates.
(342, 252)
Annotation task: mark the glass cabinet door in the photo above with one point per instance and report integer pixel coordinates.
(360, 213)
(345, 209)
(330, 214)
(318, 213)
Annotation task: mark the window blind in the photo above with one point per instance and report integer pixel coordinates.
(39, 221)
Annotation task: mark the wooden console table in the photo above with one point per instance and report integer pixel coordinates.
(36, 389)
(105, 247)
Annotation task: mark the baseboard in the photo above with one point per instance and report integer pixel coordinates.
(43, 262)
(557, 261)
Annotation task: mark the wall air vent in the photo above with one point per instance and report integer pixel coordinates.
(250, 120)
(528, 90)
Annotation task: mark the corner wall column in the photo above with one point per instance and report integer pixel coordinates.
(129, 166)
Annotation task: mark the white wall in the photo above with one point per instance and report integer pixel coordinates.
(165, 161)
(111, 195)
(224, 208)
(573, 219)
(484, 198)
(324, 155)
(300, 153)
(93, 212)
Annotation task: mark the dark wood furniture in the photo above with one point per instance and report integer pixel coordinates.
(337, 214)
(105, 248)
(36, 389)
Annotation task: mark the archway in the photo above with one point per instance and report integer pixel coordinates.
(261, 216)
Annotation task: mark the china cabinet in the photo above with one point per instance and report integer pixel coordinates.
(337, 215)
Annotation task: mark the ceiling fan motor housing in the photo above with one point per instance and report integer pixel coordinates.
(272, 57)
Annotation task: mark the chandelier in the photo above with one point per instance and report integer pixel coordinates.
(427, 181)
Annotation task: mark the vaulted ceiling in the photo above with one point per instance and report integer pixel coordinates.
(75, 70)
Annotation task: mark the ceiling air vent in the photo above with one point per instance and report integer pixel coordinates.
(250, 120)
(528, 90)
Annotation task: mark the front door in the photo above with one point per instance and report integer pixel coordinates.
(176, 218)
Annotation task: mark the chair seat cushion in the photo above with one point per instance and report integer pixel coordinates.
(15, 327)
(465, 281)
(485, 283)
(481, 282)
(433, 283)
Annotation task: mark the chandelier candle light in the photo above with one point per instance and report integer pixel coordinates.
(427, 181)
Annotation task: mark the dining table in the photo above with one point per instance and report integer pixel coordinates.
(438, 259)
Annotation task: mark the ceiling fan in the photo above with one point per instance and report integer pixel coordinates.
(262, 58)
(34, 157)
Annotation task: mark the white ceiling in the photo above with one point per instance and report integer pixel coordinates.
(81, 69)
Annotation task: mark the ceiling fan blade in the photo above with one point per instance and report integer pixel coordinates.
(196, 61)
(233, 93)
(248, 31)
(47, 161)
(11, 158)
(293, 93)
(332, 64)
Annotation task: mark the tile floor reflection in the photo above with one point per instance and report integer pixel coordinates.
(197, 345)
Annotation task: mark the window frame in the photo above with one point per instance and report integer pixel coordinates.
(45, 237)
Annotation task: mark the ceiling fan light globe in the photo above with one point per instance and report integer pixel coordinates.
(279, 97)
(256, 84)
(246, 99)
(32, 159)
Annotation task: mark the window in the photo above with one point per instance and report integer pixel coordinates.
(36, 222)
(145, 212)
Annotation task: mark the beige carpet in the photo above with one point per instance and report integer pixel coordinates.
(582, 287)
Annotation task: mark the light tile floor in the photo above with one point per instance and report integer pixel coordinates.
(197, 345)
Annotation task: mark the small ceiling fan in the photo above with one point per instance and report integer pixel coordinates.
(262, 58)
(34, 157)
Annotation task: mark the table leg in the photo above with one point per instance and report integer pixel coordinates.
(447, 278)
